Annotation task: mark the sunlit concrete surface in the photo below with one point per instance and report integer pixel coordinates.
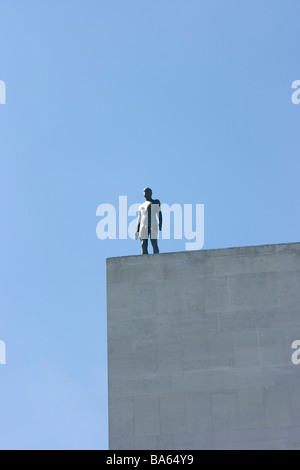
(199, 349)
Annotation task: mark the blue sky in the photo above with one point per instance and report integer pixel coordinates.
(104, 98)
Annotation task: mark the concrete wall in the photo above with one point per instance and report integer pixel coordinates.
(199, 349)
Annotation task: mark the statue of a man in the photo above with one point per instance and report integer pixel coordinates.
(148, 224)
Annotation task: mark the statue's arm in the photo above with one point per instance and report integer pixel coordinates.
(139, 221)
(160, 219)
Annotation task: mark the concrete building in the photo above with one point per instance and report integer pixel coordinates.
(200, 348)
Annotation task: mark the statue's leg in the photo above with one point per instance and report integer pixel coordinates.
(154, 245)
(144, 247)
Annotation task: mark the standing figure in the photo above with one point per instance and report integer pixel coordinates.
(149, 220)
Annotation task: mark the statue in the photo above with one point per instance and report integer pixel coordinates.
(149, 212)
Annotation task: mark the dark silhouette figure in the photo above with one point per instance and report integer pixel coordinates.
(149, 212)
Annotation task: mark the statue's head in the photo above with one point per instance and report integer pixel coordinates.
(147, 193)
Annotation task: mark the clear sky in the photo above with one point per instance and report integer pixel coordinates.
(103, 98)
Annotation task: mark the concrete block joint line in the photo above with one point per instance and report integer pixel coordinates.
(204, 349)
